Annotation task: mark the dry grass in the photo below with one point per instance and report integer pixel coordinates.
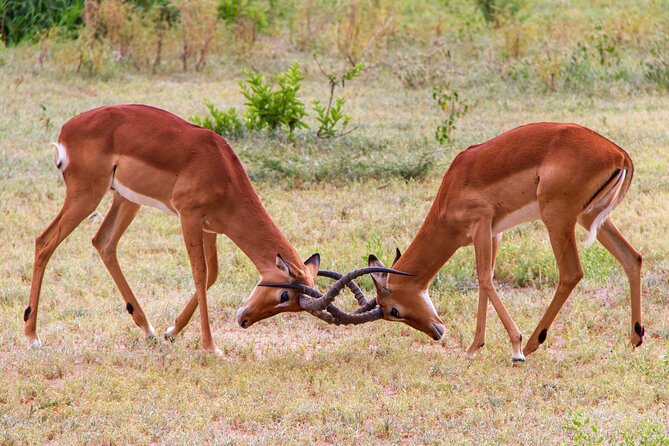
(291, 379)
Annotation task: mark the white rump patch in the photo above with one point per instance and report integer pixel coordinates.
(62, 160)
(528, 212)
(139, 198)
(613, 195)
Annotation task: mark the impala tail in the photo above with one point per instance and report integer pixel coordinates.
(62, 158)
(608, 197)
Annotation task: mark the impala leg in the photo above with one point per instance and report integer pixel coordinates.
(209, 240)
(482, 313)
(483, 248)
(116, 222)
(563, 242)
(76, 207)
(631, 261)
(191, 226)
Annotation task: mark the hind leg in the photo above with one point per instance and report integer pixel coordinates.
(614, 242)
(78, 205)
(117, 220)
(563, 242)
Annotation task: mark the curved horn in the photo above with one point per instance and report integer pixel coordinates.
(320, 303)
(326, 316)
(354, 318)
(355, 289)
(295, 286)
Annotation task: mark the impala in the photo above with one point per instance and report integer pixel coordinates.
(147, 156)
(563, 174)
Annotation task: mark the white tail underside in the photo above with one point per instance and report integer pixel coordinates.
(62, 159)
(612, 198)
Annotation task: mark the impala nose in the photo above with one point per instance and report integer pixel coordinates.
(437, 331)
(240, 318)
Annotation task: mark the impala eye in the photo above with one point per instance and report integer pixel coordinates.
(394, 313)
(285, 296)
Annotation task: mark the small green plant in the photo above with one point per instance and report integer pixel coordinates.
(649, 433)
(331, 116)
(274, 109)
(450, 102)
(225, 123)
(585, 432)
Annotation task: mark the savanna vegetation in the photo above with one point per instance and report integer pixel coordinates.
(345, 114)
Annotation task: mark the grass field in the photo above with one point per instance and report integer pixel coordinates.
(292, 379)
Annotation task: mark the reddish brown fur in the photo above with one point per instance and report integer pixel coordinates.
(191, 171)
(560, 167)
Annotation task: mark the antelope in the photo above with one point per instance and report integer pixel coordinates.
(148, 156)
(563, 174)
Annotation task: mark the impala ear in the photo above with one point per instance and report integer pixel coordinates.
(282, 264)
(380, 279)
(398, 254)
(313, 263)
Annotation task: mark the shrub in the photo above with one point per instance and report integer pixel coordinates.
(27, 19)
(274, 109)
(225, 123)
(198, 29)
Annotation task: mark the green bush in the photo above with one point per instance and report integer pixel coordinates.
(232, 11)
(26, 19)
(273, 109)
(225, 123)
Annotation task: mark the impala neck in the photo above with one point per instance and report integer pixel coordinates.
(434, 244)
(255, 233)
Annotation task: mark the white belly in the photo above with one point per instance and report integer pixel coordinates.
(528, 212)
(138, 198)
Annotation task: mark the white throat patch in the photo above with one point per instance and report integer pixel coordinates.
(428, 301)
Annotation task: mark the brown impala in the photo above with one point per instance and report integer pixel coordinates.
(563, 174)
(147, 156)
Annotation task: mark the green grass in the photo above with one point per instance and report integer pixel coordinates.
(292, 379)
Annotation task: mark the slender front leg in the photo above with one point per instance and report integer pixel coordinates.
(211, 256)
(191, 226)
(483, 247)
(482, 313)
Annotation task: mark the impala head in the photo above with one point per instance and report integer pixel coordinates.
(403, 301)
(264, 302)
